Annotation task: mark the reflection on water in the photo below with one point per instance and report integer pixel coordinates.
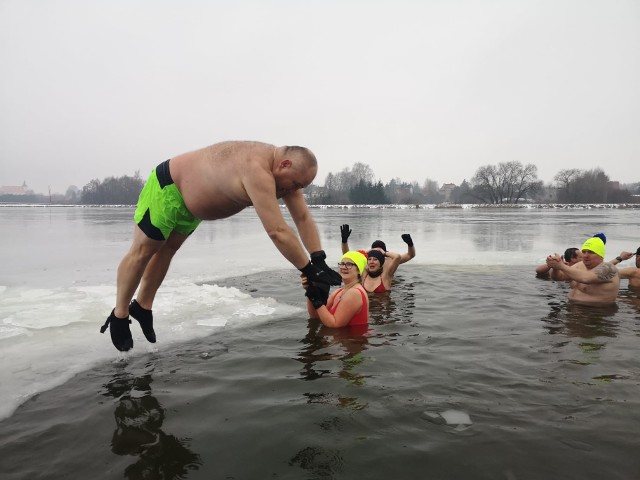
(631, 298)
(322, 463)
(551, 389)
(396, 305)
(590, 324)
(325, 345)
(322, 347)
(139, 418)
(582, 321)
(500, 237)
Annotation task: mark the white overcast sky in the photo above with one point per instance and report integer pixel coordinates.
(415, 89)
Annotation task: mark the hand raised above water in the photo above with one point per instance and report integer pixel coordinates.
(345, 231)
(407, 239)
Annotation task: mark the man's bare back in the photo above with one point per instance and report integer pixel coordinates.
(212, 179)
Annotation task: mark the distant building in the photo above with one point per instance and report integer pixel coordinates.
(14, 190)
(446, 189)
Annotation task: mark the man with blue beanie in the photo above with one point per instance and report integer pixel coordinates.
(593, 281)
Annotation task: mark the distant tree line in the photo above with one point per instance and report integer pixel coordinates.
(26, 198)
(112, 191)
(590, 186)
(504, 183)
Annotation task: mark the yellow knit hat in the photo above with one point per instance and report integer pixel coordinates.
(595, 245)
(358, 258)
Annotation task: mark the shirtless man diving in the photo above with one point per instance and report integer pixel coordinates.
(593, 281)
(209, 184)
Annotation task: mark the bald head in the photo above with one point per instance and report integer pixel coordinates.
(301, 153)
(294, 169)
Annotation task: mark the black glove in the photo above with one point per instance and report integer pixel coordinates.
(407, 239)
(315, 274)
(345, 231)
(318, 294)
(317, 259)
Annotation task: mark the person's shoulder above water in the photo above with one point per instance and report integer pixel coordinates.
(381, 263)
(346, 306)
(572, 256)
(593, 281)
(630, 273)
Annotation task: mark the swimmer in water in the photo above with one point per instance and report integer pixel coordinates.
(349, 305)
(381, 264)
(593, 281)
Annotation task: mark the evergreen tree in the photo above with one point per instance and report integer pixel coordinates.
(367, 193)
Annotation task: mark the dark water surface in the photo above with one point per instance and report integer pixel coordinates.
(479, 372)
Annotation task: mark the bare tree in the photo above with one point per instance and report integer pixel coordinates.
(362, 172)
(565, 181)
(523, 180)
(564, 177)
(508, 182)
(486, 184)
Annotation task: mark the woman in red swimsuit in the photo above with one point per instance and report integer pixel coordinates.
(381, 266)
(347, 306)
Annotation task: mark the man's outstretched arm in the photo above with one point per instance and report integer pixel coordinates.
(262, 192)
(304, 221)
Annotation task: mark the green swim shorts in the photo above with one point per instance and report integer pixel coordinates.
(161, 209)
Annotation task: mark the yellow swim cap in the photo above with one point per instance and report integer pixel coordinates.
(595, 245)
(358, 258)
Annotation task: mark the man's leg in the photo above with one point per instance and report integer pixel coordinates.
(132, 267)
(130, 272)
(152, 278)
(157, 269)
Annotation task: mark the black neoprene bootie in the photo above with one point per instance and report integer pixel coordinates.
(120, 332)
(145, 318)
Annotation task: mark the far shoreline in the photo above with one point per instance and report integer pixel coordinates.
(426, 206)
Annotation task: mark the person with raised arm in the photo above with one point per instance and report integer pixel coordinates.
(629, 273)
(381, 263)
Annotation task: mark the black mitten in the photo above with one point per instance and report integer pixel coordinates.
(316, 295)
(345, 231)
(317, 259)
(324, 291)
(316, 275)
(407, 239)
